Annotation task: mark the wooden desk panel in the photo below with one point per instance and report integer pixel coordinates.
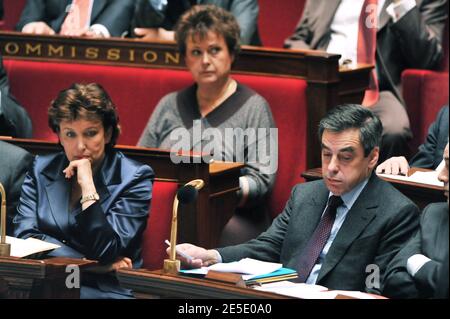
(28, 278)
(155, 284)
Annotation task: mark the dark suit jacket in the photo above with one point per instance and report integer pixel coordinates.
(14, 164)
(377, 226)
(14, 120)
(432, 241)
(245, 12)
(115, 15)
(110, 228)
(431, 152)
(412, 42)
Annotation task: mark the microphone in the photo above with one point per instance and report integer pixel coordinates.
(185, 195)
(5, 249)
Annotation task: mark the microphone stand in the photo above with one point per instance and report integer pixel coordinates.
(5, 249)
(172, 265)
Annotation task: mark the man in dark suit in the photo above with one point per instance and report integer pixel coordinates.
(157, 23)
(14, 120)
(107, 17)
(371, 224)
(430, 153)
(14, 164)
(409, 36)
(420, 270)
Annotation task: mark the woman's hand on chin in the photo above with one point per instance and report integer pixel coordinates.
(82, 168)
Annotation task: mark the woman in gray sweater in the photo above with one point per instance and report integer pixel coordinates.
(219, 116)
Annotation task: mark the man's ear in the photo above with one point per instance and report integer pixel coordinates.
(373, 157)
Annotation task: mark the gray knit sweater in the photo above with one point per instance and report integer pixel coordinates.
(177, 124)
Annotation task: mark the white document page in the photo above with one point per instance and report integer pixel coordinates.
(25, 247)
(429, 178)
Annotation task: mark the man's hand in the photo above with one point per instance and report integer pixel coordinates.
(81, 32)
(121, 262)
(38, 28)
(201, 257)
(394, 166)
(154, 34)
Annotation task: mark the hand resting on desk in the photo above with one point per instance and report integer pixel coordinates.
(121, 262)
(394, 166)
(200, 257)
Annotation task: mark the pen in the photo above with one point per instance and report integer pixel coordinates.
(179, 252)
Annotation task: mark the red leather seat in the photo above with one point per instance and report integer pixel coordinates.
(158, 225)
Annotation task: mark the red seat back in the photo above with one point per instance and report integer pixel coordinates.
(425, 92)
(135, 91)
(277, 20)
(12, 11)
(158, 226)
(287, 99)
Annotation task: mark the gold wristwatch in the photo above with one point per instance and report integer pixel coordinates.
(93, 196)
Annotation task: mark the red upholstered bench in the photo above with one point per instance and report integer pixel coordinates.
(136, 91)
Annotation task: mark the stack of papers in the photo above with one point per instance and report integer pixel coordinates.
(428, 178)
(253, 271)
(305, 291)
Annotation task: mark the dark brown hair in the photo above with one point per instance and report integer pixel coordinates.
(200, 19)
(85, 101)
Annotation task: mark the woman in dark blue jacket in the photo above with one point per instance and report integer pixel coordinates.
(90, 199)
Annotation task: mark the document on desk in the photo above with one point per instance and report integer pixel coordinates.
(28, 247)
(248, 267)
(298, 290)
(305, 291)
(428, 178)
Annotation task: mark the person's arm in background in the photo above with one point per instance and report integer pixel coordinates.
(430, 152)
(420, 32)
(246, 14)
(429, 156)
(33, 18)
(261, 162)
(115, 19)
(302, 35)
(14, 119)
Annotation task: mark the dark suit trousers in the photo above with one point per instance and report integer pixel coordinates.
(396, 128)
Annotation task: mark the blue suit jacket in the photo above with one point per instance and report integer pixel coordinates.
(430, 240)
(431, 152)
(110, 228)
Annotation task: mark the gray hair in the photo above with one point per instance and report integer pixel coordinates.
(348, 116)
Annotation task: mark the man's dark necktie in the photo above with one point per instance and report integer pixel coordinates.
(318, 239)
